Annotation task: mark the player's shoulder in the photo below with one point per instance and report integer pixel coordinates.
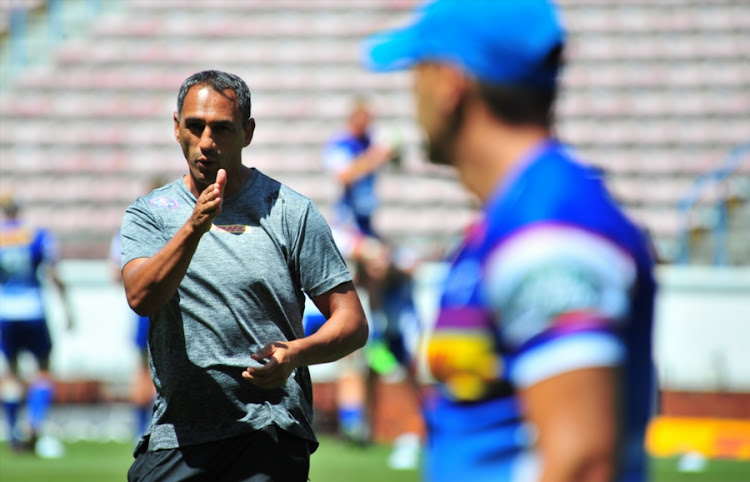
(559, 187)
(339, 139)
(274, 190)
(167, 197)
(16, 233)
(541, 243)
(344, 143)
(561, 173)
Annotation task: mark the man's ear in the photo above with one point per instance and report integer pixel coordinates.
(249, 130)
(452, 85)
(176, 127)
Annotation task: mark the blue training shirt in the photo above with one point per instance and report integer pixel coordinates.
(553, 278)
(359, 199)
(23, 249)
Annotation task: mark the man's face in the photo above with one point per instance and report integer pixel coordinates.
(438, 110)
(211, 132)
(359, 121)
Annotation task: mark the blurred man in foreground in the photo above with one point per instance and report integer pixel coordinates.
(542, 347)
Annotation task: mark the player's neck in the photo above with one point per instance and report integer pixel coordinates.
(237, 181)
(488, 150)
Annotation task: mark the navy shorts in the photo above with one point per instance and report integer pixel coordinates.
(267, 455)
(16, 336)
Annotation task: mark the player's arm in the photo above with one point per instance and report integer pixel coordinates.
(576, 418)
(349, 171)
(52, 273)
(563, 293)
(344, 331)
(366, 163)
(150, 282)
(571, 400)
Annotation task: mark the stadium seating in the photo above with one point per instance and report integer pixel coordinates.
(24, 7)
(653, 95)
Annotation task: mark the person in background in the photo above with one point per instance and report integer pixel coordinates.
(355, 157)
(28, 255)
(541, 351)
(221, 261)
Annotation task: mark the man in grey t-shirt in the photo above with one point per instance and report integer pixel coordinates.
(221, 260)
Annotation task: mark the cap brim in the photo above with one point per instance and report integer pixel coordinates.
(389, 51)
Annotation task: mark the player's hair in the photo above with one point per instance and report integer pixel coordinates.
(358, 102)
(525, 104)
(219, 81)
(9, 205)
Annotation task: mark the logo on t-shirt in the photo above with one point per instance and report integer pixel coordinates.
(163, 202)
(232, 228)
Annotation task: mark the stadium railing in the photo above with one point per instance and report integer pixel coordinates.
(720, 207)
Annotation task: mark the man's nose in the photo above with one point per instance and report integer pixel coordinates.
(207, 140)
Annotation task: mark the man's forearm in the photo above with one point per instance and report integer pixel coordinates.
(344, 331)
(334, 340)
(151, 282)
(366, 163)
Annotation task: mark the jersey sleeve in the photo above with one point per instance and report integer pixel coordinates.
(319, 262)
(561, 294)
(140, 233)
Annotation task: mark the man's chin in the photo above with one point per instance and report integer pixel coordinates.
(205, 173)
(201, 179)
(436, 154)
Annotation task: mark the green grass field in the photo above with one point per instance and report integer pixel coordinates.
(334, 462)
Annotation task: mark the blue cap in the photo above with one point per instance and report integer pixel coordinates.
(496, 41)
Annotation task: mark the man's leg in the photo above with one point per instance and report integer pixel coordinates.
(11, 387)
(40, 392)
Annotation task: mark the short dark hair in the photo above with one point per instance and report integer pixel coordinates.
(219, 81)
(528, 103)
(10, 205)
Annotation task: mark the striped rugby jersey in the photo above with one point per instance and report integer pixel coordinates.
(553, 278)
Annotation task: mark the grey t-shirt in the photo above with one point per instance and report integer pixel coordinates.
(244, 288)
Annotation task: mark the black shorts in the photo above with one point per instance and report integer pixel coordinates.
(32, 335)
(267, 455)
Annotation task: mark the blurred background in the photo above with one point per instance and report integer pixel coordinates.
(655, 93)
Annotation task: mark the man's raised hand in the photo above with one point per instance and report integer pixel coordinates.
(209, 203)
